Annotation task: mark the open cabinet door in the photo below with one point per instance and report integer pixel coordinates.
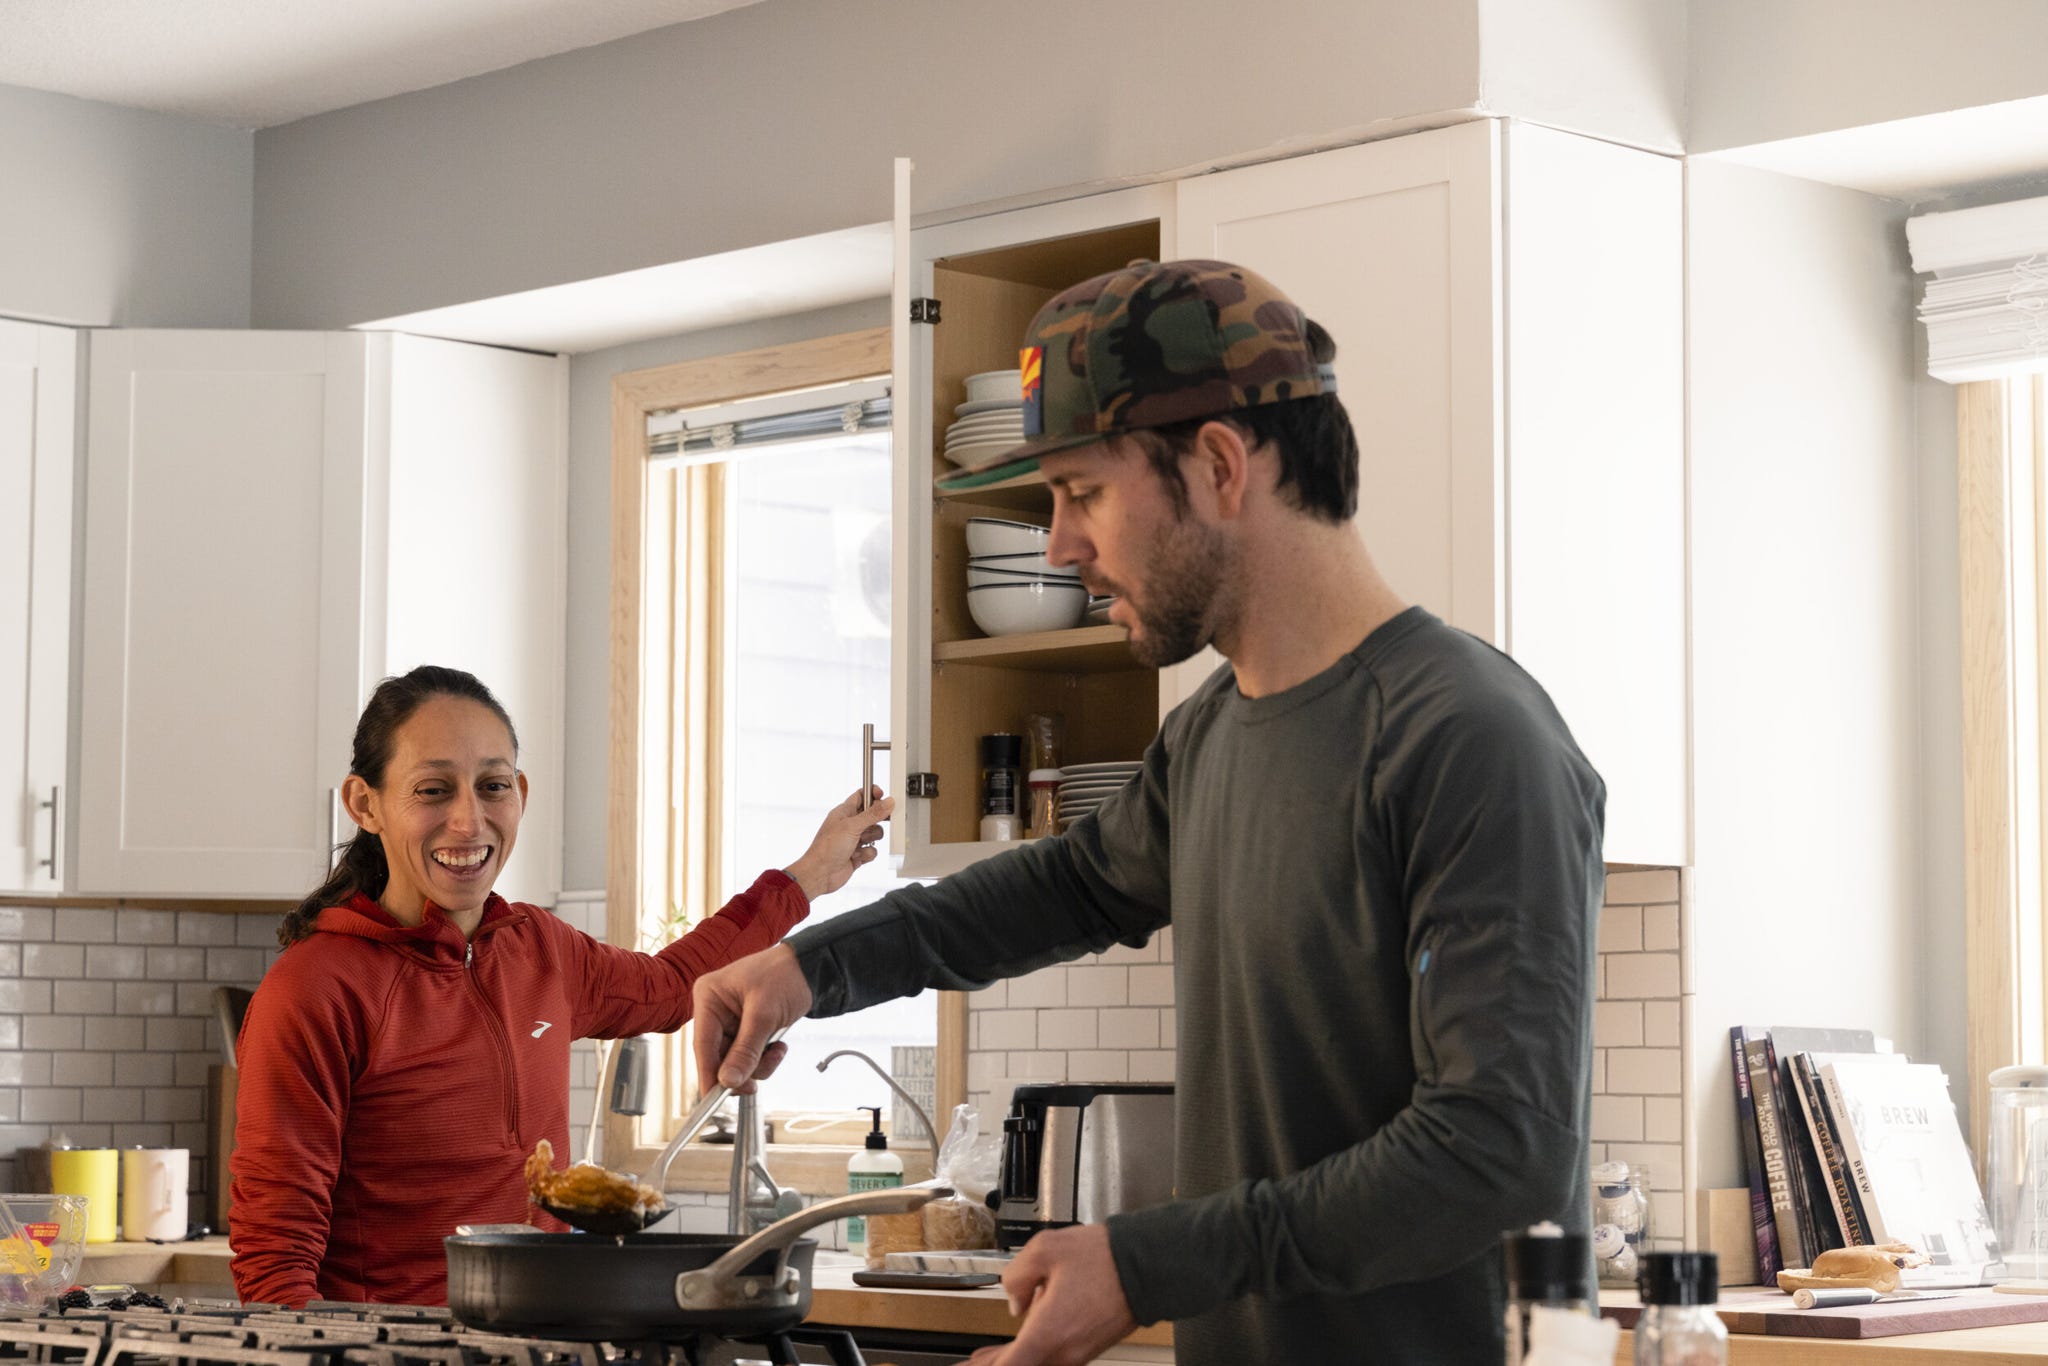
(906, 418)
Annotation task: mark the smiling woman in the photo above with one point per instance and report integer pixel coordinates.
(411, 1046)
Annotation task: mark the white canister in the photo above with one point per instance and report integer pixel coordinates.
(155, 1192)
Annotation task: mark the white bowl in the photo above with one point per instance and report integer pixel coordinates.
(995, 536)
(1004, 384)
(1022, 564)
(1010, 609)
(977, 575)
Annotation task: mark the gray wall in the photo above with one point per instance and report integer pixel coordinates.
(586, 738)
(1762, 70)
(117, 217)
(778, 121)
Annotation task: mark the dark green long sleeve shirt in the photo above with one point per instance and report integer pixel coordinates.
(1384, 885)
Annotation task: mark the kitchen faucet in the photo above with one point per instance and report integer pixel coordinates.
(754, 1200)
(918, 1110)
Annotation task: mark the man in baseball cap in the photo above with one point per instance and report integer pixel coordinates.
(1375, 841)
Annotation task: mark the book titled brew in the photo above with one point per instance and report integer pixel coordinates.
(1898, 1132)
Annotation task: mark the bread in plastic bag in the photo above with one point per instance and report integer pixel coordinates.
(967, 1161)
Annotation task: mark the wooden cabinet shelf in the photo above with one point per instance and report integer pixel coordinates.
(1081, 650)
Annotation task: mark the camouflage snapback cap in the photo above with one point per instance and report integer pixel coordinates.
(1148, 346)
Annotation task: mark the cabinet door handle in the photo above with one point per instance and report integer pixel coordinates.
(868, 745)
(54, 808)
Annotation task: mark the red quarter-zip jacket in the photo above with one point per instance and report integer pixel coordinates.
(394, 1079)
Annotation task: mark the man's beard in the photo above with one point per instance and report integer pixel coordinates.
(1187, 568)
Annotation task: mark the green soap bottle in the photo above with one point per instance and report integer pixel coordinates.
(874, 1167)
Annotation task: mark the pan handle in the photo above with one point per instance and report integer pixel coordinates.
(720, 1286)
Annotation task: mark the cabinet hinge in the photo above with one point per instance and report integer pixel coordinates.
(924, 310)
(922, 785)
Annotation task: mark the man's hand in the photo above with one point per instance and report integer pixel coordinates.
(737, 1007)
(844, 842)
(1064, 1285)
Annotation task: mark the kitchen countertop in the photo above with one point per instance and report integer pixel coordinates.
(2020, 1344)
(835, 1299)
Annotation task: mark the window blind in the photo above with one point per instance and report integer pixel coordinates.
(695, 435)
(1986, 309)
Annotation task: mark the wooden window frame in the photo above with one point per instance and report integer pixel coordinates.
(652, 859)
(2003, 554)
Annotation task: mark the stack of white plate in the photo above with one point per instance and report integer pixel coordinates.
(991, 421)
(1098, 609)
(1083, 787)
(1012, 587)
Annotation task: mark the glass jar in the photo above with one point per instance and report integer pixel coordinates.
(1679, 1326)
(2016, 1168)
(1621, 1220)
(1042, 786)
(1002, 759)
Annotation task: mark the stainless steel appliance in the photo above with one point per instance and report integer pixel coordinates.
(1078, 1152)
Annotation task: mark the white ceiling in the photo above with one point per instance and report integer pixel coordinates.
(254, 63)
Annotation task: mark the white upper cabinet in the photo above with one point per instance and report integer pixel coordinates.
(273, 522)
(1508, 323)
(38, 398)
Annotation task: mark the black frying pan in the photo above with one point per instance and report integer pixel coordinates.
(582, 1287)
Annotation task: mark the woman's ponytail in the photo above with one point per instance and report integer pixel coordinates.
(359, 868)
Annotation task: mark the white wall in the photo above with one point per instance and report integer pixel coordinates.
(1822, 754)
(779, 121)
(587, 741)
(1762, 70)
(117, 217)
(1614, 69)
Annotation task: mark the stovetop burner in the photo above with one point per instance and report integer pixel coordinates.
(224, 1333)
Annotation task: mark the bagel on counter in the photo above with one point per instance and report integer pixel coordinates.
(1869, 1267)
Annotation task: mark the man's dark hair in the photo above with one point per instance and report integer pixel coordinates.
(1317, 448)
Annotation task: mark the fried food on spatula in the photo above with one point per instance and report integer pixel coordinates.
(586, 1186)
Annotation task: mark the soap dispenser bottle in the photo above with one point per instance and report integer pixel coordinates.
(874, 1167)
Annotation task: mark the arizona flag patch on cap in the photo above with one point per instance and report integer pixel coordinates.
(1031, 363)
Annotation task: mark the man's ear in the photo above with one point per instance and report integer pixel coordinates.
(1219, 467)
(359, 799)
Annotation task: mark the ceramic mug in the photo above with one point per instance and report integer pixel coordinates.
(94, 1173)
(155, 1191)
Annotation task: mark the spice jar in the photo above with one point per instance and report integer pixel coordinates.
(1546, 1272)
(1042, 788)
(1621, 1220)
(1002, 759)
(1679, 1326)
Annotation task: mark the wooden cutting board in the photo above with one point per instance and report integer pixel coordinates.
(1770, 1312)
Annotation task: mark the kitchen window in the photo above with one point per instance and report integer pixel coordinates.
(752, 503)
(2002, 458)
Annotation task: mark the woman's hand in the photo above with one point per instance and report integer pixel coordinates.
(844, 842)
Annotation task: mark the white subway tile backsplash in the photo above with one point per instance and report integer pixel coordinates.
(1641, 886)
(145, 998)
(1151, 984)
(10, 960)
(1008, 1030)
(146, 1069)
(1621, 929)
(174, 963)
(82, 998)
(1149, 952)
(1154, 1064)
(82, 1069)
(1662, 1119)
(53, 1032)
(53, 960)
(146, 927)
(50, 1105)
(1660, 1024)
(202, 928)
(1098, 986)
(1642, 976)
(1129, 1028)
(172, 1105)
(24, 923)
(1618, 1024)
(992, 997)
(118, 961)
(244, 966)
(1617, 1119)
(1037, 1065)
(113, 1107)
(10, 1069)
(87, 925)
(1660, 928)
(1643, 1071)
(1098, 1065)
(114, 1033)
(10, 1031)
(1068, 1029)
(1038, 990)
(254, 931)
(171, 1035)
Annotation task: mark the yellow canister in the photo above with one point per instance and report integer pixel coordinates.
(94, 1173)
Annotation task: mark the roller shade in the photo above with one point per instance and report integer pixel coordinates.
(695, 435)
